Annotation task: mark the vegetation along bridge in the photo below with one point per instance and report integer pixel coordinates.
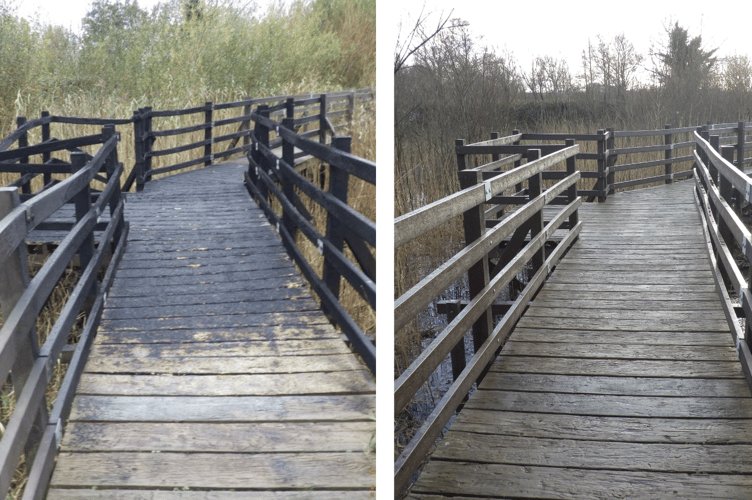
(189, 358)
(620, 367)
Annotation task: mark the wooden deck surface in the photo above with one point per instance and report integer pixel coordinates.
(214, 373)
(620, 381)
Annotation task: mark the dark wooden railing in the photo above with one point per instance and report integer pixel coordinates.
(498, 248)
(273, 176)
(608, 147)
(721, 188)
(95, 244)
(221, 137)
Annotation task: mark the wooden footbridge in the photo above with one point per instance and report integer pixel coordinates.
(213, 372)
(624, 374)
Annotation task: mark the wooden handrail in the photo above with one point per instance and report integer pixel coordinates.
(272, 175)
(527, 218)
(418, 222)
(29, 429)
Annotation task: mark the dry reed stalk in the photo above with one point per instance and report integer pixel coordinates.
(44, 323)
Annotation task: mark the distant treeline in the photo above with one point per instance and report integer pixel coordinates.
(182, 52)
(449, 87)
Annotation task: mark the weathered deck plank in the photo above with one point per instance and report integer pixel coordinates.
(620, 381)
(214, 369)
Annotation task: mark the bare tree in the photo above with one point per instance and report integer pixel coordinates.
(420, 35)
(548, 77)
(589, 74)
(737, 82)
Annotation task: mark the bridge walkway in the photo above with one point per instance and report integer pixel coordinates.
(214, 373)
(621, 380)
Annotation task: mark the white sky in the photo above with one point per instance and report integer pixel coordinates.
(561, 29)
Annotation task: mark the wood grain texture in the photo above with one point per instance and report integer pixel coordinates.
(215, 470)
(79, 494)
(621, 380)
(214, 369)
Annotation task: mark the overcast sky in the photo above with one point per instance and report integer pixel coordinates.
(69, 13)
(561, 29)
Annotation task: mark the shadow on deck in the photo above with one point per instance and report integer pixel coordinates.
(213, 368)
(621, 380)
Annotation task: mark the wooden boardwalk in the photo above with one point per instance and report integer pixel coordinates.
(620, 381)
(214, 373)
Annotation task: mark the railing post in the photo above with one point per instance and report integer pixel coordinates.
(288, 156)
(668, 140)
(290, 108)
(261, 133)
(572, 190)
(14, 276)
(535, 188)
(600, 185)
(474, 222)
(610, 146)
(46, 137)
(518, 187)
(715, 143)
(246, 124)
(726, 190)
(335, 233)
(457, 355)
(23, 141)
(741, 135)
(208, 133)
(110, 165)
(82, 202)
(138, 148)
(148, 141)
(351, 109)
(322, 119)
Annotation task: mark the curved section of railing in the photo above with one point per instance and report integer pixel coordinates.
(217, 138)
(96, 244)
(273, 177)
(721, 187)
(500, 244)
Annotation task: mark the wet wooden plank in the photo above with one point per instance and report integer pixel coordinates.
(456, 479)
(182, 494)
(690, 458)
(615, 406)
(621, 386)
(230, 366)
(604, 429)
(223, 408)
(625, 368)
(236, 437)
(215, 470)
(688, 324)
(625, 336)
(258, 384)
(318, 328)
(620, 351)
(224, 350)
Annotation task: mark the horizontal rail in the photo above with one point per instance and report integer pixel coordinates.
(715, 185)
(23, 299)
(418, 222)
(421, 294)
(272, 176)
(414, 454)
